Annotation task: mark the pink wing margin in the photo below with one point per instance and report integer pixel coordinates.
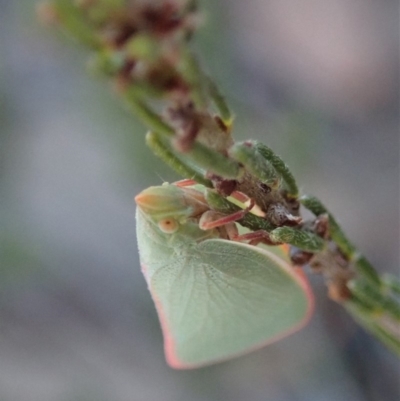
(169, 344)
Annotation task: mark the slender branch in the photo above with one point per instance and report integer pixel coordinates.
(145, 51)
(161, 149)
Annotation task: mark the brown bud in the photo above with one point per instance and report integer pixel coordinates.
(278, 214)
(338, 290)
(224, 187)
(299, 257)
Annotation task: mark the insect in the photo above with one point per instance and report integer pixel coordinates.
(216, 298)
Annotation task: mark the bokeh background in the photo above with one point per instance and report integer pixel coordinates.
(315, 80)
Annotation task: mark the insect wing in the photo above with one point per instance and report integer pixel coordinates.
(223, 298)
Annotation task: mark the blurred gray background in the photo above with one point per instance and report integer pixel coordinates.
(315, 80)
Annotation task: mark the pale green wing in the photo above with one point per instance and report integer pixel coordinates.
(224, 298)
(154, 248)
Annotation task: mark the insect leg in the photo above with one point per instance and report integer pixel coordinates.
(256, 237)
(185, 183)
(212, 219)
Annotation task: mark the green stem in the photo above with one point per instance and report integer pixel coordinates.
(374, 302)
(193, 74)
(219, 101)
(301, 239)
(391, 283)
(74, 23)
(147, 116)
(214, 161)
(161, 149)
(364, 317)
(281, 167)
(371, 296)
(255, 163)
(348, 249)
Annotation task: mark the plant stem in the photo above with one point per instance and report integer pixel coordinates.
(163, 84)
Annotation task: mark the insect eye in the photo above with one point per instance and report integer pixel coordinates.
(168, 226)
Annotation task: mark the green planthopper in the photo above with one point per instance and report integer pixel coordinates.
(216, 298)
